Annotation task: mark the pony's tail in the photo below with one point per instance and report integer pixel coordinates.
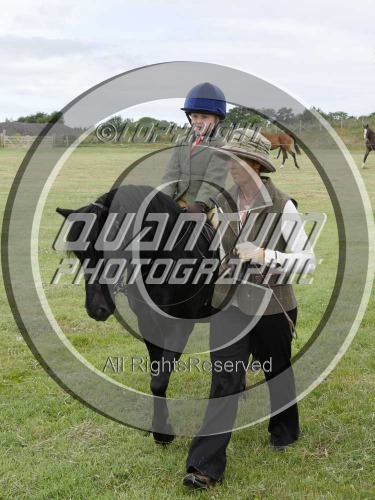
(296, 147)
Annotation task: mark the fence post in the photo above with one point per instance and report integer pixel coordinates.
(4, 134)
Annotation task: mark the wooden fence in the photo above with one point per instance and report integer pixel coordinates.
(25, 141)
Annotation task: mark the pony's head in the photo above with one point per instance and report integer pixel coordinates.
(368, 133)
(99, 303)
(88, 226)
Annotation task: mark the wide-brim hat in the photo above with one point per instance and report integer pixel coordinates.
(249, 143)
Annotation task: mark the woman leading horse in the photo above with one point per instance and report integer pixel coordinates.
(272, 241)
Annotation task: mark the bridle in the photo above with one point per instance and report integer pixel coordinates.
(120, 286)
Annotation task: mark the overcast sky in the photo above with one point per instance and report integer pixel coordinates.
(322, 51)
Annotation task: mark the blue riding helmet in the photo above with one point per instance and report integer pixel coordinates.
(206, 98)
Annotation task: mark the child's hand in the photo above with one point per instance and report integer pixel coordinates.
(196, 208)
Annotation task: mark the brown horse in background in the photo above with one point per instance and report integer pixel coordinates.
(284, 142)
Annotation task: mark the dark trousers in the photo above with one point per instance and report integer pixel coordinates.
(269, 339)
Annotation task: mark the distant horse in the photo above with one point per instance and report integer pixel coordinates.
(166, 312)
(284, 142)
(369, 137)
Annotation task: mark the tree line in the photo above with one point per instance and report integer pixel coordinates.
(40, 117)
(237, 115)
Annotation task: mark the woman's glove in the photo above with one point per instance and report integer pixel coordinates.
(247, 251)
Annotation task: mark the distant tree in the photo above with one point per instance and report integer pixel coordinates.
(308, 116)
(56, 117)
(40, 117)
(117, 121)
(338, 115)
(36, 118)
(148, 119)
(284, 115)
(239, 115)
(165, 123)
(268, 113)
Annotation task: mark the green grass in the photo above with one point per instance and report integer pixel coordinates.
(54, 447)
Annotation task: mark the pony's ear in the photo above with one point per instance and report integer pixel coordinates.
(295, 203)
(64, 211)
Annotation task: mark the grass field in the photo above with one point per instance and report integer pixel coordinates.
(54, 447)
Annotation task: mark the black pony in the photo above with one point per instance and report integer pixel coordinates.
(369, 137)
(166, 300)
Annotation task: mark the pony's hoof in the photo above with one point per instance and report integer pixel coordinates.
(364, 167)
(163, 439)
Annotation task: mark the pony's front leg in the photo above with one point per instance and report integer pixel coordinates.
(365, 158)
(174, 338)
(161, 369)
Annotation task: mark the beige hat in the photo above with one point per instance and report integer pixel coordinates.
(248, 143)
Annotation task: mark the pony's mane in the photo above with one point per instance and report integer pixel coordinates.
(128, 199)
(131, 197)
(125, 199)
